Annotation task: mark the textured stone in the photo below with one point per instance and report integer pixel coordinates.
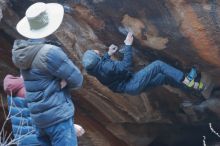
(2, 6)
(181, 33)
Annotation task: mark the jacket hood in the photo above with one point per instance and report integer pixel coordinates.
(14, 85)
(24, 52)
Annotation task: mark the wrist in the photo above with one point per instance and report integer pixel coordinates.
(109, 53)
(128, 43)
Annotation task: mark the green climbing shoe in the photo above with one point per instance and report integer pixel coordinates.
(198, 86)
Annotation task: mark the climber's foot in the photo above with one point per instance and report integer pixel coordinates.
(193, 80)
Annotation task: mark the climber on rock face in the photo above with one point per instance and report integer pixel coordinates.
(117, 75)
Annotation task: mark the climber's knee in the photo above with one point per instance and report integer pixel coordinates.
(157, 63)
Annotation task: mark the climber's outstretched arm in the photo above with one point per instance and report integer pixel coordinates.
(126, 62)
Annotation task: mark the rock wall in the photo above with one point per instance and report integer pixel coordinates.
(181, 33)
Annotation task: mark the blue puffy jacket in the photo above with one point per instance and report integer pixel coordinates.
(43, 66)
(22, 126)
(112, 73)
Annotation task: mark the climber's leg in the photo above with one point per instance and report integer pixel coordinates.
(155, 74)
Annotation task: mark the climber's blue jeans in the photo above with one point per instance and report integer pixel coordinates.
(61, 134)
(155, 74)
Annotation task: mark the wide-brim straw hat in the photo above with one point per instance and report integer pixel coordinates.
(41, 20)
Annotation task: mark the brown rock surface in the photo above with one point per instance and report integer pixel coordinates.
(181, 33)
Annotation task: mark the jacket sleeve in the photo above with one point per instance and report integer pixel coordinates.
(62, 67)
(120, 66)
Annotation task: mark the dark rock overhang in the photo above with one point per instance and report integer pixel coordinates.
(183, 34)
